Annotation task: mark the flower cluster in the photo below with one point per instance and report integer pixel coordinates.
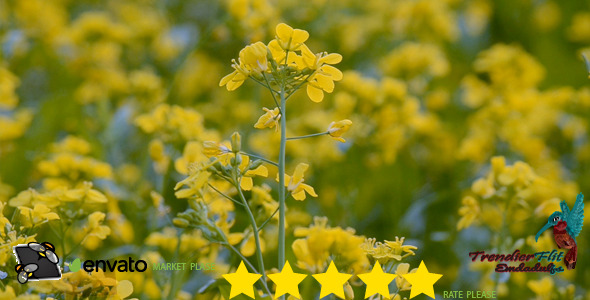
(286, 61)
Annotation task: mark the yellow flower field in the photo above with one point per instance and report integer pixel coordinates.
(207, 138)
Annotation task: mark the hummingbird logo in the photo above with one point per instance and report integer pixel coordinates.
(567, 225)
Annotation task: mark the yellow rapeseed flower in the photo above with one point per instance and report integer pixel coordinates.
(270, 119)
(318, 242)
(193, 153)
(543, 288)
(295, 183)
(8, 85)
(252, 61)
(323, 76)
(337, 129)
(246, 182)
(469, 212)
(290, 39)
(95, 227)
(39, 214)
(400, 281)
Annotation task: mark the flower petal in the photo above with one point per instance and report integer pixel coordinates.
(284, 31)
(260, 171)
(315, 94)
(299, 36)
(299, 171)
(232, 85)
(299, 196)
(309, 189)
(246, 183)
(332, 71)
(227, 78)
(332, 58)
(325, 82)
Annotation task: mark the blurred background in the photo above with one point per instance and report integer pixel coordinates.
(469, 126)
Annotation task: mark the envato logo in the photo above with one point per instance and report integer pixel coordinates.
(128, 265)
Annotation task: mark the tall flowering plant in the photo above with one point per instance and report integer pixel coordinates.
(282, 67)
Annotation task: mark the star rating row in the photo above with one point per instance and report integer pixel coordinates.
(332, 282)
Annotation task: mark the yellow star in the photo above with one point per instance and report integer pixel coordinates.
(377, 281)
(287, 281)
(422, 281)
(332, 281)
(242, 282)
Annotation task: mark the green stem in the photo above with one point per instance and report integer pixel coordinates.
(255, 229)
(282, 180)
(307, 136)
(261, 158)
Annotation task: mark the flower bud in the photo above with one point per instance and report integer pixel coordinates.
(236, 142)
(180, 222)
(255, 164)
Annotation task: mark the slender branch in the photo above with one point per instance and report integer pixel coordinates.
(237, 252)
(307, 136)
(272, 94)
(244, 259)
(255, 231)
(268, 220)
(261, 158)
(224, 195)
(262, 84)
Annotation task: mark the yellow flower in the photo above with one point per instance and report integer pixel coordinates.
(295, 183)
(379, 251)
(387, 251)
(193, 153)
(158, 154)
(167, 239)
(253, 58)
(319, 242)
(211, 148)
(402, 283)
(39, 214)
(83, 191)
(32, 197)
(484, 187)
(252, 61)
(72, 144)
(248, 247)
(323, 76)
(247, 174)
(290, 39)
(337, 129)
(8, 85)
(94, 227)
(196, 180)
(398, 247)
(543, 287)
(233, 80)
(8, 293)
(469, 212)
(269, 120)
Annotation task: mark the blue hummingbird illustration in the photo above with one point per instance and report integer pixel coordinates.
(566, 227)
